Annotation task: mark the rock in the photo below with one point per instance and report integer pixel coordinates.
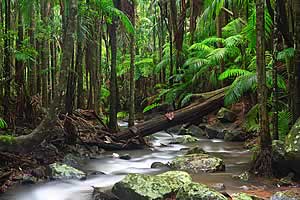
(218, 186)
(195, 150)
(185, 139)
(102, 194)
(244, 196)
(278, 150)
(292, 143)
(63, 171)
(28, 179)
(125, 157)
(39, 172)
(196, 163)
(149, 187)
(235, 135)
(226, 115)
(94, 173)
(287, 181)
(158, 165)
(195, 131)
(198, 191)
(243, 176)
(73, 161)
(286, 195)
(174, 129)
(214, 131)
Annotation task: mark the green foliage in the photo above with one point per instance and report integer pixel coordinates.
(150, 107)
(3, 124)
(252, 122)
(122, 115)
(284, 120)
(287, 53)
(7, 139)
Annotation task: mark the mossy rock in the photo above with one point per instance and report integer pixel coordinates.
(292, 143)
(226, 115)
(185, 139)
(286, 195)
(244, 196)
(149, 187)
(195, 150)
(196, 163)
(63, 171)
(197, 191)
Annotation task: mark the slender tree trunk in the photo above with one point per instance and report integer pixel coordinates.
(32, 66)
(132, 67)
(296, 6)
(79, 69)
(274, 72)
(263, 163)
(113, 124)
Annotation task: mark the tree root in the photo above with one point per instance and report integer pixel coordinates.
(262, 166)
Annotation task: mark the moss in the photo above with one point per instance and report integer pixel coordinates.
(244, 196)
(122, 115)
(7, 139)
(292, 143)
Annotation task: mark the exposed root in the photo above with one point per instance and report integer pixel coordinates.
(262, 166)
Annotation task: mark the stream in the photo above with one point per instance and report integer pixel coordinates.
(235, 157)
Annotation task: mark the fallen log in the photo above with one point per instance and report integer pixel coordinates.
(209, 102)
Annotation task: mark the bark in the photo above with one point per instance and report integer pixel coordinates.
(32, 75)
(195, 7)
(213, 101)
(79, 70)
(113, 124)
(296, 6)
(262, 166)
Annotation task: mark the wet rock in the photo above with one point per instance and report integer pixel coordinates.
(28, 179)
(158, 165)
(292, 143)
(214, 131)
(218, 186)
(185, 139)
(195, 131)
(125, 157)
(39, 172)
(245, 176)
(174, 130)
(103, 194)
(244, 196)
(196, 163)
(286, 195)
(73, 161)
(235, 135)
(63, 171)
(149, 187)
(226, 115)
(195, 150)
(94, 173)
(198, 191)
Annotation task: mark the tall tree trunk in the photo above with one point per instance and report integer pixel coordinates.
(274, 71)
(32, 65)
(68, 54)
(79, 70)
(132, 67)
(297, 58)
(113, 124)
(263, 163)
(7, 61)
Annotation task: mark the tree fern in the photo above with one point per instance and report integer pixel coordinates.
(231, 73)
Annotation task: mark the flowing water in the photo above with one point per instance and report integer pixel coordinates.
(235, 157)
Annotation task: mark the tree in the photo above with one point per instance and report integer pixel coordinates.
(296, 7)
(263, 163)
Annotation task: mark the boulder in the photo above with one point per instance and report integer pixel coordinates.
(125, 157)
(195, 150)
(158, 165)
(149, 187)
(198, 191)
(286, 195)
(245, 176)
(63, 171)
(73, 161)
(218, 186)
(244, 196)
(28, 179)
(235, 135)
(292, 143)
(214, 131)
(226, 115)
(103, 194)
(194, 130)
(185, 139)
(196, 163)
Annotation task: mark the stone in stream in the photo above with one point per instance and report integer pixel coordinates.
(73, 161)
(292, 143)
(195, 150)
(218, 186)
(158, 165)
(185, 139)
(244, 196)
(192, 130)
(226, 115)
(103, 194)
(150, 187)
(195, 163)
(245, 176)
(235, 135)
(125, 157)
(198, 191)
(215, 131)
(63, 171)
(286, 195)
